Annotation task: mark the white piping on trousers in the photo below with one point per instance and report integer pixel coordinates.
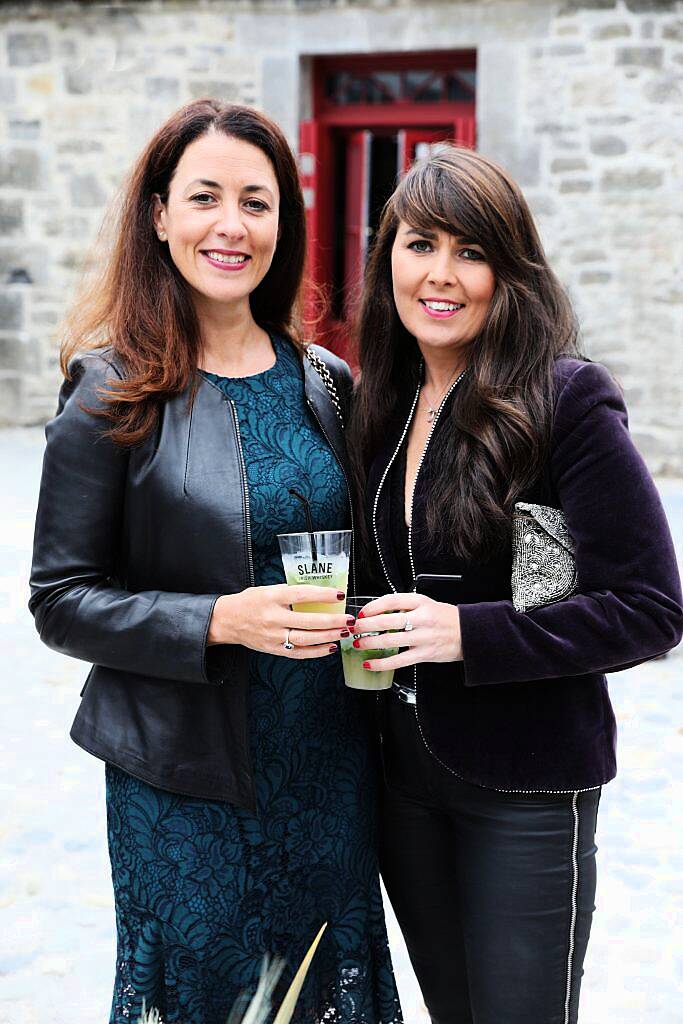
(575, 887)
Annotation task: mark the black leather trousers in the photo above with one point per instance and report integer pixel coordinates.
(493, 891)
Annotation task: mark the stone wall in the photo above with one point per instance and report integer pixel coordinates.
(582, 101)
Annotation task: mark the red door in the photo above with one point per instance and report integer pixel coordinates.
(372, 116)
(358, 146)
(414, 143)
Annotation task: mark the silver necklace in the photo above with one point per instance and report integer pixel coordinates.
(431, 411)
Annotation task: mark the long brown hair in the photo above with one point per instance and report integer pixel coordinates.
(500, 419)
(140, 304)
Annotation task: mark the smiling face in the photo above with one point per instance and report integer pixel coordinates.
(220, 219)
(442, 286)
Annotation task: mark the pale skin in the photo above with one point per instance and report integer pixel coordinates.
(221, 223)
(428, 268)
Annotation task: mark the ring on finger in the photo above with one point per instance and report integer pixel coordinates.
(287, 644)
(408, 626)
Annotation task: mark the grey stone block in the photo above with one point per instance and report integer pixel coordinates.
(20, 168)
(610, 120)
(80, 146)
(27, 48)
(11, 217)
(571, 6)
(220, 90)
(279, 83)
(674, 30)
(23, 264)
(86, 191)
(525, 164)
(575, 185)
(568, 163)
(655, 6)
(631, 181)
(553, 128)
(11, 352)
(595, 277)
(567, 50)
(608, 145)
(11, 311)
(23, 129)
(8, 89)
(666, 89)
(165, 89)
(46, 318)
(589, 256)
(78, 81)
(69, 226)
(640, 56)
(618, 30)
(10, 396)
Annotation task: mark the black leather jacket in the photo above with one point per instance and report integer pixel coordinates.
(132, 550)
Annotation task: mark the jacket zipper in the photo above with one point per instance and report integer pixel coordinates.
(495, 789)
(245, 492)
(348, 491)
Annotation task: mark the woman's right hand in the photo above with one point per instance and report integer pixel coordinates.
(259, 618)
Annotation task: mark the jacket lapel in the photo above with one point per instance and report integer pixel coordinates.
(378, 500)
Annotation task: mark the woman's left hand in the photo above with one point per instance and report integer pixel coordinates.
(435, 633)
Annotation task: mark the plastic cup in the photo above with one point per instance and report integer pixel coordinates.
(355, 676)
(329, 567)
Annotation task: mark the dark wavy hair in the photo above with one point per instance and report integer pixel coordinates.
(501, 416)
(139, 303)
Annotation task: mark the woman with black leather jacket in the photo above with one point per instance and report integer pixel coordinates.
(239, 769)
(499, 732)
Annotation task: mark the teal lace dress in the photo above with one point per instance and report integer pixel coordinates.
(204, 890)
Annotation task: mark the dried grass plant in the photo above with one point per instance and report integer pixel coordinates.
(260, 1006)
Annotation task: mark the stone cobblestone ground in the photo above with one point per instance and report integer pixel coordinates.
(56, 918)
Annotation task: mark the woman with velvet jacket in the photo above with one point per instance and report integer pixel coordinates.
(239, 771)
(498, 732)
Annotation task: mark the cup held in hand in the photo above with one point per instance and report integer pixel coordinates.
(318, 558)
(355, 676)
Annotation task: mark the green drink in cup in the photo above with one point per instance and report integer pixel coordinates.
(355, 676)
(319, 558)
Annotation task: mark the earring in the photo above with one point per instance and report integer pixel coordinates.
(162, 236)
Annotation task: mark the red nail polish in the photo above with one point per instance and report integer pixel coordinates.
(333, 648)
(356, 643)
(350, 621)
(366, 664)
(360, 614)
(345, 632)
(340, 595)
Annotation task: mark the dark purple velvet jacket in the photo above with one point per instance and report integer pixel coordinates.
(528, 708)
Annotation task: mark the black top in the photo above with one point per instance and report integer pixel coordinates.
(399, 530)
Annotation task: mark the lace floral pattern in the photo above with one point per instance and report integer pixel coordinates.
(203, 890)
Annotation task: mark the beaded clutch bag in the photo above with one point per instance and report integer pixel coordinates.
(543, 565)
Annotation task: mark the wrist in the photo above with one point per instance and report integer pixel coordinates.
(456, 634)
(220, 625)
